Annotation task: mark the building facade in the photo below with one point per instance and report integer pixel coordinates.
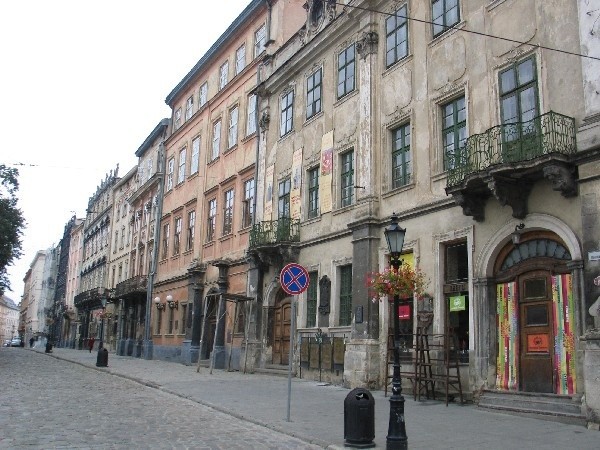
(71, 324)
(9, 319)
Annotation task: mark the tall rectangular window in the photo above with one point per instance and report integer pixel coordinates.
(401, 156)
(183, 316)
(170, 170)
(233, 127)
(203, 95)
(240, 59)
(191, 230)
(445, 14)
(228, 212)
(346, 295)
(248, 214)
(211, 223)
(158, 321)
(165, 246)
(182, 158)
(170, 328)
(195, 162)
(457, 303)
(123, 236)
(347, 179)
(287, 109)
(313, 192)
(223, 74)
(177, 237)
(177, 119)
(189, 108)
(216, 143)
(251, 121)
(346, 70)
(260, 40)
(396, 37)
(284, 199)
(311, 299)
(313, 93)
(454, 132)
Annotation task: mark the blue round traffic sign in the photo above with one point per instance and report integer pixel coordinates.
(294, 279)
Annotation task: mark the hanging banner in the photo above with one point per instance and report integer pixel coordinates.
(507, 319)
(457, 303)
(326, 178)
(563, 304)
(268, 215)
(296, 193)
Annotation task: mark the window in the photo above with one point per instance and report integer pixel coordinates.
(248, 213)
(212, 220)
(158, 321)
(347, 178)
(313, 192)
(240, 59)
(519, 106)
(284, 198)
(457, 271)
(396, 37)
(123, 236)
(116, 240)
(203, 95)
(183, 315)
(228, 212)
(454, 132)
(191, 230)
(260, 40)
(177, 237)
(165, 246)
(313, 93)
(170, 328)
(194, 164)
(223, 74)
(233, 126)
(170, 170)
(177, 119)
(181, 173)
(251, 122)
(287, 109)
(445, 14)
(346, 69)
(346, 295)
(401, 156)
(189, 108)
(311, 300)
(216, 144)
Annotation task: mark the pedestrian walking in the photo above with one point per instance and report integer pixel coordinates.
(31, 342)
(91, 343)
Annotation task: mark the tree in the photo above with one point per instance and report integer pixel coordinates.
(12, 223)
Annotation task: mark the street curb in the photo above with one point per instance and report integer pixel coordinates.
(307, 439)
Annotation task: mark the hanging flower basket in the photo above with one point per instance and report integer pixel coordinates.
(404, 282)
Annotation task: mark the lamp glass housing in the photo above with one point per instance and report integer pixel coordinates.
(394, 235)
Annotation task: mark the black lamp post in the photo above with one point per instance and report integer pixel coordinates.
(396, 437)
(101, 345)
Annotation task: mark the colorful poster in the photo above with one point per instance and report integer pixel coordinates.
(507, 315)
(296, 191)
(404, 312)
(268, 215)
(326, 178)
(537, 343)
(564, 338)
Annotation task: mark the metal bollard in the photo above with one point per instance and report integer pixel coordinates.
(102, 358)
(359, 419)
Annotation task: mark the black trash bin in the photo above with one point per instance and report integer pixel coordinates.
(48, 347)
(359, 419)
(102, 358)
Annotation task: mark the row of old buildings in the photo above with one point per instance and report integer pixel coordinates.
(304, 127)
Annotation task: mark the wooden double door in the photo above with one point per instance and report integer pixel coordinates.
(282, 323)
(536, 333)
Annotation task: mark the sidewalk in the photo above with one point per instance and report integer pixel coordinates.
(317, 410)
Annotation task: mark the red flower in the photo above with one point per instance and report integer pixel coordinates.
(404, 282)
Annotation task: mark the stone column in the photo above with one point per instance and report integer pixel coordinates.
(219, 357)
(190, 351)
(592, 381)
(482, 357)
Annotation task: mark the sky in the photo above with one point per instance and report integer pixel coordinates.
(82, 84)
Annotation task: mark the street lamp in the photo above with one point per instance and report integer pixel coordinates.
(103, 300)
(396, 437)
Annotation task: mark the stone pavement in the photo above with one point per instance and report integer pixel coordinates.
(317, 409)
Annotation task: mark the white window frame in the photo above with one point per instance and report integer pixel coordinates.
(240, 59)
(177, 119)
(195, 162)
(181, 172)
(189, 108)
(203, 95)
(216, 142)
(233, 127)
(251, 115)
(260, 40)
(223, 74)
(170, 170)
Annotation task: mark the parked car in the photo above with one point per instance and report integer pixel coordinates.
(6, 343)
(16, 342)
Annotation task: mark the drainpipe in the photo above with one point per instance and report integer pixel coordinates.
(148, 344)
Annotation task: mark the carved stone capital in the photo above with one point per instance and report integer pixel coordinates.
(367, 44)
(472, 205)
(511, 193)
(562, 179)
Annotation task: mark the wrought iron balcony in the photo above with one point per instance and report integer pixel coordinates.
(91, 299)
(134, 285)
(512, 143)
(280, 231)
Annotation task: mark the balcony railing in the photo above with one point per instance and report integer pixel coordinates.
(137, 284)
(90, 298)
(512, 143)
(283, 230)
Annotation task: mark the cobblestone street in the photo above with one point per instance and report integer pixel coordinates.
(51, 403)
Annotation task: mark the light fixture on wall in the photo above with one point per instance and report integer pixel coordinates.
(516, 235)
(160, 306)
(173, 304)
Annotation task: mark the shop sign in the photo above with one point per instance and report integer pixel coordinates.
(457, 303)
(404, 312)
(537, 343)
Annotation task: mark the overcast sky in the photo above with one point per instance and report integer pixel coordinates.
(82, 84)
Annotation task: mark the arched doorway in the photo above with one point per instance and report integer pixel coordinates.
(535, 316)
(282, 320)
